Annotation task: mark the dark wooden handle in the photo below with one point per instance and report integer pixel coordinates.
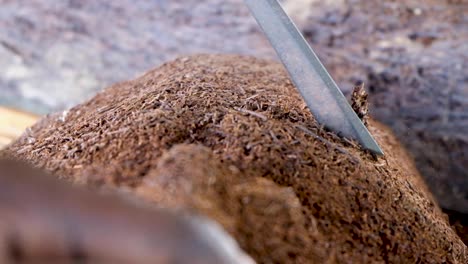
(43, 220)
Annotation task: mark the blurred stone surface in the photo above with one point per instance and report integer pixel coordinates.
(54, 54)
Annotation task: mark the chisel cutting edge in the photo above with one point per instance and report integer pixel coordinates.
(320, 92)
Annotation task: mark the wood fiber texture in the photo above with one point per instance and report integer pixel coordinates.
(229, 137)
(413, 58)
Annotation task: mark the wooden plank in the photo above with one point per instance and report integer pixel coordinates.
(13, 123)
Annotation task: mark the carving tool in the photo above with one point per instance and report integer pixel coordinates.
(323, 97)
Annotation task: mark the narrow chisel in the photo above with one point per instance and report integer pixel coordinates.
(320, 92)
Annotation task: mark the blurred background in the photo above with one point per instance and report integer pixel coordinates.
(411, 55)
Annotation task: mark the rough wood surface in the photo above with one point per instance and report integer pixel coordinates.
(411, 54)
(231, 138)
(413, 58)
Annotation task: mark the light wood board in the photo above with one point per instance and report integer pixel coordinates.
(13, 123)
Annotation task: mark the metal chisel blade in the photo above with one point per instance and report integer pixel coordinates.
(320, 92)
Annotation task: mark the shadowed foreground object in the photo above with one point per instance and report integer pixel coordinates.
(230, 137)
(44, 221)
